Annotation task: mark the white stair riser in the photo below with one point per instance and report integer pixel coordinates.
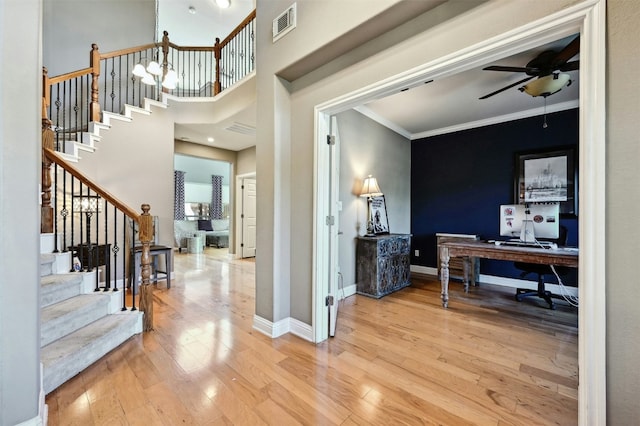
(65, 318)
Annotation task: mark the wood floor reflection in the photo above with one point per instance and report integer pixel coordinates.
(403, 359)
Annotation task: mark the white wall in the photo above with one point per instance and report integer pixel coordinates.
(72, 26)
(20, 142)
(134, 161)
(246, 161)
(366, 148)
(623, 203)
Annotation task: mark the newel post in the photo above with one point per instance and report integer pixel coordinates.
(146, 292)
(48, 136)
(217, 50)
(94, 63)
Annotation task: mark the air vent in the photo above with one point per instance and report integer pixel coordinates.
(244, 129)
(284, 23)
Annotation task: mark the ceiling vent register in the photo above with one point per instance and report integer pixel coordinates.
(284, 23)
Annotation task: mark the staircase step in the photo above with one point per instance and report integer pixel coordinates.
(46, 263)
(148, 103)
(68, 356)
(108, 116)
(69, 315)
(58, 287)
(128, 109)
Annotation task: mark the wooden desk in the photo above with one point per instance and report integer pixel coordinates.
(558, 257)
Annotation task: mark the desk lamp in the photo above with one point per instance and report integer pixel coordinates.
(370, 189)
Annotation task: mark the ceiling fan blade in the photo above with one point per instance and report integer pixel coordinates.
(569, 51)
(507, 87)
(509, 69)
(570, 66)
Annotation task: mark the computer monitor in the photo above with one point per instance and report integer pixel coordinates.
(529, 222)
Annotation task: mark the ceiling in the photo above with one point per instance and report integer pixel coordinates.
(453, 103)
(441, 106)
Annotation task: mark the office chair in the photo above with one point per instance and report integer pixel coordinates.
(541, 271)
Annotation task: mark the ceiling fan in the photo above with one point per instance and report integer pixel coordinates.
(549, 67)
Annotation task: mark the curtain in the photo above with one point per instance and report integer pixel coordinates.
(216, 197)
(178, 190)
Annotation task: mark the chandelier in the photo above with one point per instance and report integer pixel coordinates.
(152, 74)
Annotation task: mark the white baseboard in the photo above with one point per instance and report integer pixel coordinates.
(502, 281)
(279, 328)
(517, 283)
(43, 409)
(347, 291)
(425, 270)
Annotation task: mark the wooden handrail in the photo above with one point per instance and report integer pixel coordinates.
(128, 50)
(68, 76)
(55, 157)
(239, 28)
(193, 48)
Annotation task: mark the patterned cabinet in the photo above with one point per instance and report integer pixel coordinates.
(383, 264)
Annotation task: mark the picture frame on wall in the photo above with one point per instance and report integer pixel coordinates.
(379, 215)
(546, 177)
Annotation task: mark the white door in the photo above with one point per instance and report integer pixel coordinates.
(248, 241)
(333, 226)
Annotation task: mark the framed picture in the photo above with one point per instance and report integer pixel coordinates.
(547, 177)
(379, 215)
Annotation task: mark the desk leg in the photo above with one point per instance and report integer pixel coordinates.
(465, 271)
(444, 275)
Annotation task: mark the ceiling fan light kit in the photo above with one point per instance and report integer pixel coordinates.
(550, 67)
(547, 85)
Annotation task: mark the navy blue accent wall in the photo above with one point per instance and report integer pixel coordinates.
(459, 180)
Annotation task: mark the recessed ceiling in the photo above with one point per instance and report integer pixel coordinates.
(235, 133)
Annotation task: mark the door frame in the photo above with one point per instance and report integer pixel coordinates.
(237, 254)
(588, 18)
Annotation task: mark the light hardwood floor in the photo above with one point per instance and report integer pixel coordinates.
(403, 359)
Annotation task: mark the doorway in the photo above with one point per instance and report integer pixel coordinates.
(588, 20)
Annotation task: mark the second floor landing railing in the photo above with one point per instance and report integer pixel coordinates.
(75, 99)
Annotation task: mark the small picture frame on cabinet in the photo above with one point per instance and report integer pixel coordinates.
(379, 215)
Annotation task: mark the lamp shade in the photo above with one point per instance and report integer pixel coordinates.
(154, 68)
(148, 79)
(139, 70)
(170, 80)
(370, 187)
(547, 85)
(87, 204)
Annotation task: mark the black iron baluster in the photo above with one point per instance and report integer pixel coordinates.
(103, 77)
(124, 264)
(132, 266)
(56, 125)
(55, 208)
(115, 251)
(106, 252)
(72, 234)
(112, 94)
